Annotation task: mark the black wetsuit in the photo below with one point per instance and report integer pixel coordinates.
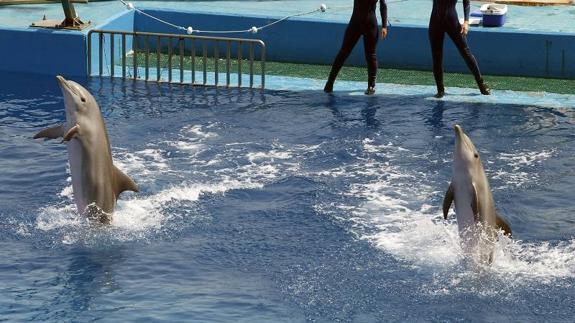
(363, 22)
(444, 20)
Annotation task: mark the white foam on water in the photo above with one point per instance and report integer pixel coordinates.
(190, 147)
(153, 212)
(134, 218)
(519, 167)
(67, 191)
(268, 155)
(23, 230)
(537, 260)
(370, 147)
(143, 164)
(526, 158)
(192, 138)
(59, 216)
(417, 238)
(199, 131)
(397, 205)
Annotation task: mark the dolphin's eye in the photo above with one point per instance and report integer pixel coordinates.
(83, 99)
(476, 155)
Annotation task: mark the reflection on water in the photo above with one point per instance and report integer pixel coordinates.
(88, 278)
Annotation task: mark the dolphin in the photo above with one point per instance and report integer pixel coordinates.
(477, 219)
(96, 182)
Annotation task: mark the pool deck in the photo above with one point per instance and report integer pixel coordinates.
(454, 94)
(544, 19)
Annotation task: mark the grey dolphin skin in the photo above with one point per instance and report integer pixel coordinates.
(96, 182)
(477, 219)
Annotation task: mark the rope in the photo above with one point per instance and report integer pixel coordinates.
(253, 30)
(294, 15)
(131, 6)
(190, 30)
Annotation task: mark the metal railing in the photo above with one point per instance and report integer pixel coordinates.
(130, 55)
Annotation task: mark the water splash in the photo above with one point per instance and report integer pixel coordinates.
(169, 198)
(398, 210)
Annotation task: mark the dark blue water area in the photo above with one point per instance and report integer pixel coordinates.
(282, 206)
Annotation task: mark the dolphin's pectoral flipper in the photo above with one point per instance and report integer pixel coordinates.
(123, 182)
(51, 133)
(503, 225)
(71, 133)
(447, 200)
(475, 204)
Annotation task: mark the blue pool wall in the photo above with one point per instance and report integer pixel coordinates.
(299, 40)
(498, 51)
(43, 51)
(52, 52)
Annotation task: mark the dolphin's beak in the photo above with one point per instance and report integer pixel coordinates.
(61, 80)
(458, 131)
(63, 83)
(64, 86)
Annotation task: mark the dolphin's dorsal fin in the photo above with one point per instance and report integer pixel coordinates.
(51, 133)
(123, 182)
(447, 200)
(503, 225)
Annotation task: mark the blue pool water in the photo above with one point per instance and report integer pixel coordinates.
(282, 207)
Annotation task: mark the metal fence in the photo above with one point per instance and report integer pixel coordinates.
(185, 59)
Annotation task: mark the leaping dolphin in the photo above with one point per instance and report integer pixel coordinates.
(477, 219)
(96, 182)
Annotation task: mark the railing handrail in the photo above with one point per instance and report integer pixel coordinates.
(144, 33)
(203, 39)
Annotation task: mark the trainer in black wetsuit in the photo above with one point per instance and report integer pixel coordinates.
(363, 22)
(444, 20)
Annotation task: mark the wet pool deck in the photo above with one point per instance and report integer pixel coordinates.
(343, 88)
(546, 19)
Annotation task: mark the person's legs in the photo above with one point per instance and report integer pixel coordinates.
(370, 38)
(461, 44)
(436, 36)
(352, 34)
